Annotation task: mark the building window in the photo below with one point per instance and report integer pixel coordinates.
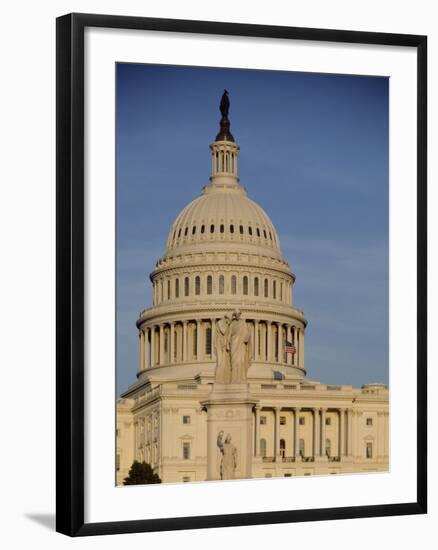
(221, 284)
(274, 289)
(369, 450)
(258, 232)
(202, 229)
(281, 291)
(328, 447)
(208, 341)
(186, 286)
(186, 419)
(233, 284)
(231, 228)
(264, 233)
(282, 420)
(222, 228)
(186, 230)
(302, 420)
(168, 289)
(263, 420)
(195, 341)
(263, 447)
(282, 448)
(117, 462)
(179, 233)
(197, 285)
(328, 421)
(250, 230)
(209, 284)
(166, 341)
(302, 447)
(193, 229)
(256, 286)
(212, 228)
(287, 475)
(186, 479)
(369, 421)
(176, 288)
(186, 451)
(245, 285)
(266, 288)
(241, 229)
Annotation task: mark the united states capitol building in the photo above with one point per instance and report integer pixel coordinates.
(223, 255)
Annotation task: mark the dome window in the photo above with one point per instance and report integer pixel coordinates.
(197, 285)
(221, 284)
(179, 233)
(274, 289)
(202, 228)
(266, 288)
(258, 232)
(231, 228)
(270, 235)
(186, 286)
(212, 228)
(250, 230)
(186, 230)
(194, 230)
(264, 233)
(256, 286)
(176, 288)
(241, 229)
(245, 285)
(209, 284)
(222, 228)
(233, 284)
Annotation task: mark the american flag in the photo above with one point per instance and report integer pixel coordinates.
(290, 348)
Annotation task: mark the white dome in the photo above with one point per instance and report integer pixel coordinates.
(223, 218)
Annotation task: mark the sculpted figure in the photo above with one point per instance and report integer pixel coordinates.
(240, 348)
(229, 459)
(223, 366)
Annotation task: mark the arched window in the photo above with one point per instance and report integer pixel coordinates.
(212, 228)
(202, 228)
(186, 286)
(282, 448)
(186, 230)
(197, 285)
(328, 447)
(274, 289)
(266, 288)
(281, 291)
(264, 233)
(221, 284)
(168, 289)
(302, 447)
(193, 229)
(256, 286)
(270, 235)
(263, 447)
(161, 291)
(233, 284)
(258, 232)
(179, 233)
(231, 228)
(209, 284)
(222, 228)
(245, 285)
(176, 288)
(241, 229)
(250, 230)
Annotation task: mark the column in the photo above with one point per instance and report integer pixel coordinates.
(268, 341)
(184, 341)
(279, 343)
(152, 331)
(289, 357)
(161, 346)
(257, 431)
(386, 446)
(341, 432)
(349, 432)
(316, 450)
(297, 433)
(213, 339)
(256, 340)
(198, 341)
(297, 345)
(172, 343)
(379, 438)
(141, 337)
(323, 449)
(302, 348)
(277, 433)
(146, 349)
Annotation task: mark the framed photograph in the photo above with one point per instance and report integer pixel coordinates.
(241, 274)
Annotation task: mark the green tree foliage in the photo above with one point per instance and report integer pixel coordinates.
(140, 474)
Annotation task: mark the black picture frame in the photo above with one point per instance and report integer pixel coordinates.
(70, 273)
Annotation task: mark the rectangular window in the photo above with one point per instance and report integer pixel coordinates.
(186, 479)
(287, 475)
(208, 341)
(369, 421)
(369, 450)
(117, 462)
(302, 420)
(328, 421)
(263, 420)
(282, 420)
(186, 451)
(186, 419)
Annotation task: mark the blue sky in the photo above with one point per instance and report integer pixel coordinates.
(314, 155)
